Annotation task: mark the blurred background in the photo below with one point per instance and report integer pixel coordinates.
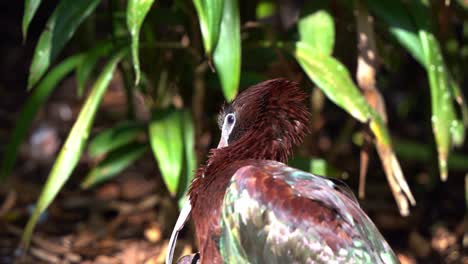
(107, 106)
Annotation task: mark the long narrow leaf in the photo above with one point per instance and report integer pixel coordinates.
(73, 147)
(445, 125)
(30, 8)
(166, 140)
(443, 112)
(115, 137)
(60, 27)
(115, 162)
(227, 55)
(35, 100)
(318, 31)
(410, 24)
(136, 13)
(333, 78)
(209, 14)
(459, 126)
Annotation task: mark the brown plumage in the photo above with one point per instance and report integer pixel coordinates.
(272, 118)
(248, 206)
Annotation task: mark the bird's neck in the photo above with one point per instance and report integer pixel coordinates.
(211, 180)
(250, 147)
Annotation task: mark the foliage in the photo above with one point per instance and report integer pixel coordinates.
(74, 145)
(170, 56)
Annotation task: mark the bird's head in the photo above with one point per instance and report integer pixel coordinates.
(264, 121)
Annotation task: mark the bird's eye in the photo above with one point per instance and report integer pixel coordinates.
(230, 118)
(228, 124)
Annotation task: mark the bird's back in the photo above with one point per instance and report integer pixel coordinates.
(272, 213)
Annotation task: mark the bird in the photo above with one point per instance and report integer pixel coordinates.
(248, 206)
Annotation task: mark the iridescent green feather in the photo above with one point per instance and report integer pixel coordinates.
(230, 248)
(256, 232)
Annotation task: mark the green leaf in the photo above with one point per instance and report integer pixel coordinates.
(334, 80)
(209, 14)
(136, 13)
(457, 132)
(265, 8)
(445, 125)
(30, 8)
(189, 156)
(73, 147)
(410, 24)
(115, 137)
(318, 166)
(84, 69)
(227, 55)
(459, 126)
(60, 27)
(396, 15)
(117, 160)
(318, 31)
(166, 140)
(35, 100)
(443, 112)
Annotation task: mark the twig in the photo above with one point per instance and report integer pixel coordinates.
(365, 75)
(129, 208)
(44, 255)
(365, 149)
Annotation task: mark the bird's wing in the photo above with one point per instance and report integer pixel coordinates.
(276, 214)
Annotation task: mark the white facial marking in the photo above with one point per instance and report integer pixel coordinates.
(228, 125)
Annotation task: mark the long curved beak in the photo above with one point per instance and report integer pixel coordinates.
(183, 217)
(223, 142)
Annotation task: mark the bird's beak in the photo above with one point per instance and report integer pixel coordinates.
(223, 141)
